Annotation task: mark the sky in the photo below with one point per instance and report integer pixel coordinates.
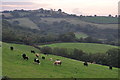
(79, 7)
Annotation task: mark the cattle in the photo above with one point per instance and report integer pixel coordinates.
(43, 57)
(32, 51)
(25, 57)
(36, 61)
(37, 55)
(57, 62)
(85, 64)
(11, 48)
(110, 67)
(51, 59)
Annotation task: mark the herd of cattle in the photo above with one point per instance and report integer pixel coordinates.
(56, 62)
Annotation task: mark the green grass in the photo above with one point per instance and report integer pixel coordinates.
(80, 35)
(25, 22)
(86, 47)
(15, 67)
(83, 22)
(100, 20)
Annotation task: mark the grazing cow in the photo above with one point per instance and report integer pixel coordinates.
(37, 55)
(85, 64)
(25, 57)
(11, 48)
(110, 67)
(36, 61)
(51, 59)
(57, 62)
(43, 57)
(32, 51)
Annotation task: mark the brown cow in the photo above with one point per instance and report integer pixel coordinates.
(57, 63)
(37, 55)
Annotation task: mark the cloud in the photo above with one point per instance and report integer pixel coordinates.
(77, 11)
(17, 3)
(21, 5)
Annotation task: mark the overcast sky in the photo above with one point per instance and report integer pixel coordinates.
(84, 7)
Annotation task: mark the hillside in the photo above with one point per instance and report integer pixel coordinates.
(100, 19)
(15, 67)
(86, 47)
(48, 22)
(25, 22)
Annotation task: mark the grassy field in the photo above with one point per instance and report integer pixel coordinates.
(80, 35)
(100, 20)
(86, 47)
(15, 67)
(25, 22)
(82, 22)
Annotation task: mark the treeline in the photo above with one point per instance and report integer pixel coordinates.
(110, 58)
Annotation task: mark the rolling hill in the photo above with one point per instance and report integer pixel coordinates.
(86, 47)
(47, 22)
(15, 67)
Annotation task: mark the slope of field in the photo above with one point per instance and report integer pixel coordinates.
(25, 22)
(86, 47)
(80, 35)
(15, 67)
(80, 22)
(101, 19)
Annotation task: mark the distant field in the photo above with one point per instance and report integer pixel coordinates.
(80, 22)
(80, 35)
(86, 47)
(25, 22)
(100, 20)
(15, 67)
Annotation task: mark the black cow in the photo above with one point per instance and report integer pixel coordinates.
(36, 61)
(11, 48)
(25, 57)
(43, 57)
(110, 67)
(85, 64)
(32, 51)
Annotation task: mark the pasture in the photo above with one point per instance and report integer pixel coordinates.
(25, 22)
(100, 20)
(80, 35)
(15, 67)
(82, 22)
(86, 47)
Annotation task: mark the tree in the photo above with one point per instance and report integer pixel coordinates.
(46, 50)
(95, 15)
(113, 57)
(60, 10)
(77, 54)
(109, 15)
(68, 37)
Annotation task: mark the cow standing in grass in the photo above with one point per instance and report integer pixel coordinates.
(11, 48)
(25, 57)
(85, 64)
(37, 55)
(36, 61)
(43, 57)
(32, 51)
(57, 62)
(110, 67)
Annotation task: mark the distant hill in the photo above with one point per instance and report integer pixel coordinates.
(53, 23)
